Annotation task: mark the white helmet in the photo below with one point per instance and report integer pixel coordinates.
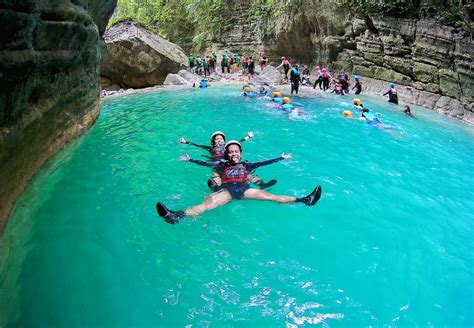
(217, 133)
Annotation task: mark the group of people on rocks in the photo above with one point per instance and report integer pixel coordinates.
(229, 63)
(202, 65)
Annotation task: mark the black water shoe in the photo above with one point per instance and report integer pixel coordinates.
(312, 198)
(171, 217)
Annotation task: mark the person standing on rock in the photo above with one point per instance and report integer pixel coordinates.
(199, 65)
(237, 62)
(325, 77)
(191, 61)
(295, 78)
(251, 67)
(224, 61)
(319, 81)
(286, 67)
(263, 61)
(392, 94)
(205, 65)
(213, 63)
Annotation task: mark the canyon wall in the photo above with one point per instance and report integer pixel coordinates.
(50, 54)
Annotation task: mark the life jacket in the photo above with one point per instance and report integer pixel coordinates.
(203, 84)
(217, 152)
(370, 116)
(249, 94)
(393, 96)
(287, 107)
(234, 173)
(278, 100)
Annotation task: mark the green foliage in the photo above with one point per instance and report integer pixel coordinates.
(448, 12)
(192, 23)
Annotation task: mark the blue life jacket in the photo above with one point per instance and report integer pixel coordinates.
(288, 107)
(203, 84)
(278, 100)
(249, 94)
(370, 117)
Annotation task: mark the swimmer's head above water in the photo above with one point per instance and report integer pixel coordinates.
(233, 152)
(217, 138)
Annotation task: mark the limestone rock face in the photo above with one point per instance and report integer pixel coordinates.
(49, 85)
(137, 58)
(429, 58)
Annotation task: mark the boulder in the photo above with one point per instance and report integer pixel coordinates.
(189, 77)
(270, 75)
(137, 58)
(174, 79)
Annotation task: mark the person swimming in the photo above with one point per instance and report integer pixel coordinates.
(277, 97)
(287, 106)
(216, 150)
(358, 105)
(248, 91)
(407, 110)
(234, 174)
(369, 116)
(203, 84)
(262, 91)
(392, 94)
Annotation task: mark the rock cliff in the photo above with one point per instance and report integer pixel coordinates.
(50, 53)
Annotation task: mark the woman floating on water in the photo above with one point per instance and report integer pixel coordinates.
(216, 150)
(234, 174)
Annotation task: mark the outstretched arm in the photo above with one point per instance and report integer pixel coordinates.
(253, 166)
(186, 158)
(184, 141)
(247, 137)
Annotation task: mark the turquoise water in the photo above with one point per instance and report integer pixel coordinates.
(389, 244)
